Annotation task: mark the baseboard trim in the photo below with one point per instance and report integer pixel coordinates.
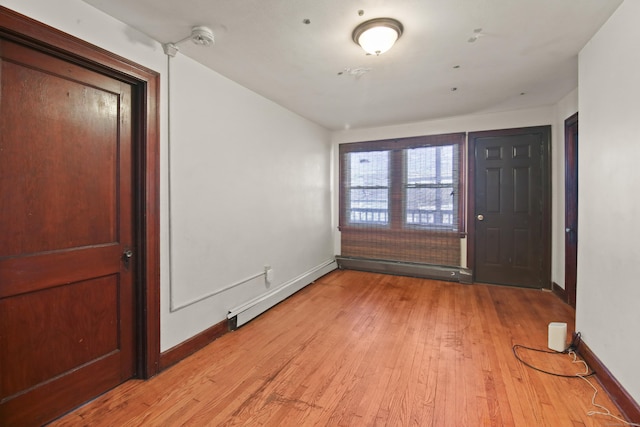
(238, 316)
(466, 276)
(186, 348)
(559, 291)
(622, 399)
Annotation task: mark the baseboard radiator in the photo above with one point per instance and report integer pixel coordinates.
(427, 271)
(242, 314)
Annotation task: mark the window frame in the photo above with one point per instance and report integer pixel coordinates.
(397, 182)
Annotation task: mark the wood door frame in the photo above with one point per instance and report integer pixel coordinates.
(546, 197)
(571, 202)
(146, 163)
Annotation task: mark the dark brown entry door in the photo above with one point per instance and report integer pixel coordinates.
(511, 214)
(66, 289)
(571, 207)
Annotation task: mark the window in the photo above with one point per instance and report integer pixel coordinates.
(403, 193)
(430, 196)
(418, 178)
(368, 188)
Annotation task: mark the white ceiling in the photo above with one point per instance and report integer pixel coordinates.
(525, 56)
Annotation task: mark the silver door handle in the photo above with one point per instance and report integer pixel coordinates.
(126, 257)
(480, 217)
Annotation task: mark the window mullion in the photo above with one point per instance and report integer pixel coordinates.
(396, 196)
(438, 212)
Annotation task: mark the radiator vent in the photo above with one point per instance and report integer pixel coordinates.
(427, 271)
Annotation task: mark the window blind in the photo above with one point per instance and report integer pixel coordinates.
(401, 200)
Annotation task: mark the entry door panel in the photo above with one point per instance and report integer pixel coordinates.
(509, 208)
(66, 292)
(571, 208)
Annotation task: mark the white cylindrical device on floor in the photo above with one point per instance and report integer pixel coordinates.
(557, 336)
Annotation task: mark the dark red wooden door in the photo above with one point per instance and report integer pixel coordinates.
(571, 208)
(66, 290)
(511, 208)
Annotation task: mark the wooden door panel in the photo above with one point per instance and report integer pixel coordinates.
(66, 294)
(510, 197)
(31, 273)
(51, 399)
(521, 190)
(58, 199)
(491, 250)
(493, 180)
(56, 334)
(522, 248)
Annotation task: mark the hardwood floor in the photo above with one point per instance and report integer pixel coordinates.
(361, 349)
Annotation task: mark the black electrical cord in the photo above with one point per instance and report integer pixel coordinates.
(570, 348)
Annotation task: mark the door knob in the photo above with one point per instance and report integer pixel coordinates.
(567, 230)
(126, 257)
(480, 217)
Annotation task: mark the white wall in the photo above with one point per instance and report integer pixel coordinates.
(250, 187)
(608, 297)
(470, 123)
(251, 180)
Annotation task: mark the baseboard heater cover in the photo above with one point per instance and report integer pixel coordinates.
(242, 314)
(427, 271)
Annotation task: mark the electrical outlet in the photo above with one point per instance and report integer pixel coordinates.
(268, 273)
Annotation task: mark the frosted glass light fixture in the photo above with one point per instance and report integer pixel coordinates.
(378, 35)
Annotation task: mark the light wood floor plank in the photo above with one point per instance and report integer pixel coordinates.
(363, 349)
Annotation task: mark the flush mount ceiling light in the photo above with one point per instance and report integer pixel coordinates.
(377, 35)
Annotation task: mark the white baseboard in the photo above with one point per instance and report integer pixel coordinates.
(240, 315)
